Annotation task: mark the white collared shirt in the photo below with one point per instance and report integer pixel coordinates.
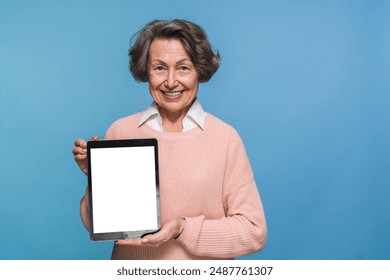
(195, 117)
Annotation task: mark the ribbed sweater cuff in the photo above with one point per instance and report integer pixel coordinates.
(191, 232)
(84, 210)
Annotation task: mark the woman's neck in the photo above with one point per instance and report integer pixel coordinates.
(173, 121)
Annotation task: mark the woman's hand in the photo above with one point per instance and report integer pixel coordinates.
(80, 153)
(171, 229)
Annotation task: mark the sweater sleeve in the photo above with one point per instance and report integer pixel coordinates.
(243, 229)
(84, 210)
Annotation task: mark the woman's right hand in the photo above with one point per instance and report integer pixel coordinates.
(80, 153)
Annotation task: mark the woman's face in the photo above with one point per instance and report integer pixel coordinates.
(173, 79)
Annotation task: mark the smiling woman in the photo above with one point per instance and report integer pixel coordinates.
(173, 81)
(210, 205)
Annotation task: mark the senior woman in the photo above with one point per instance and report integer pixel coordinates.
(210, 205)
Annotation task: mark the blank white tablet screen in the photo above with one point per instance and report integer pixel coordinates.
(123, 189)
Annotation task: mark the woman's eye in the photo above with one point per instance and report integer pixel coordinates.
(159, 68)
(184, 68)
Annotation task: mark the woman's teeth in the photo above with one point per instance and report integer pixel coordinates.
(176, 93)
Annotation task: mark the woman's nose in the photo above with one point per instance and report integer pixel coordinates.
(171, 81)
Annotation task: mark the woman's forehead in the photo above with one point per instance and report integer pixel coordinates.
(162, 49)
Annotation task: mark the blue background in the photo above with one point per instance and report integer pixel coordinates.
(305, 83)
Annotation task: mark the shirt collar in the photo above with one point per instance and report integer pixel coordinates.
(196, 113)
(151, 111)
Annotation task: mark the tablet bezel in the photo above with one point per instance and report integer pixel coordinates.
(122, 143)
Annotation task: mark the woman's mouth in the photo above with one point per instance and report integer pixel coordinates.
(172, 93)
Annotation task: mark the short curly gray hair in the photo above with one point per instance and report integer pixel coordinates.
(194, 40)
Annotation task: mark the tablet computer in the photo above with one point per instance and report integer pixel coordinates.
(124, 193)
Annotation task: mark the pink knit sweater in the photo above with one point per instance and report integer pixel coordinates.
(206, 178)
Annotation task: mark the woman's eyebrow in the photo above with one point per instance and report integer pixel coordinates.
(183, 60)
(157, 61)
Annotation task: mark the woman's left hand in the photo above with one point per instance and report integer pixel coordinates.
(170, 229)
